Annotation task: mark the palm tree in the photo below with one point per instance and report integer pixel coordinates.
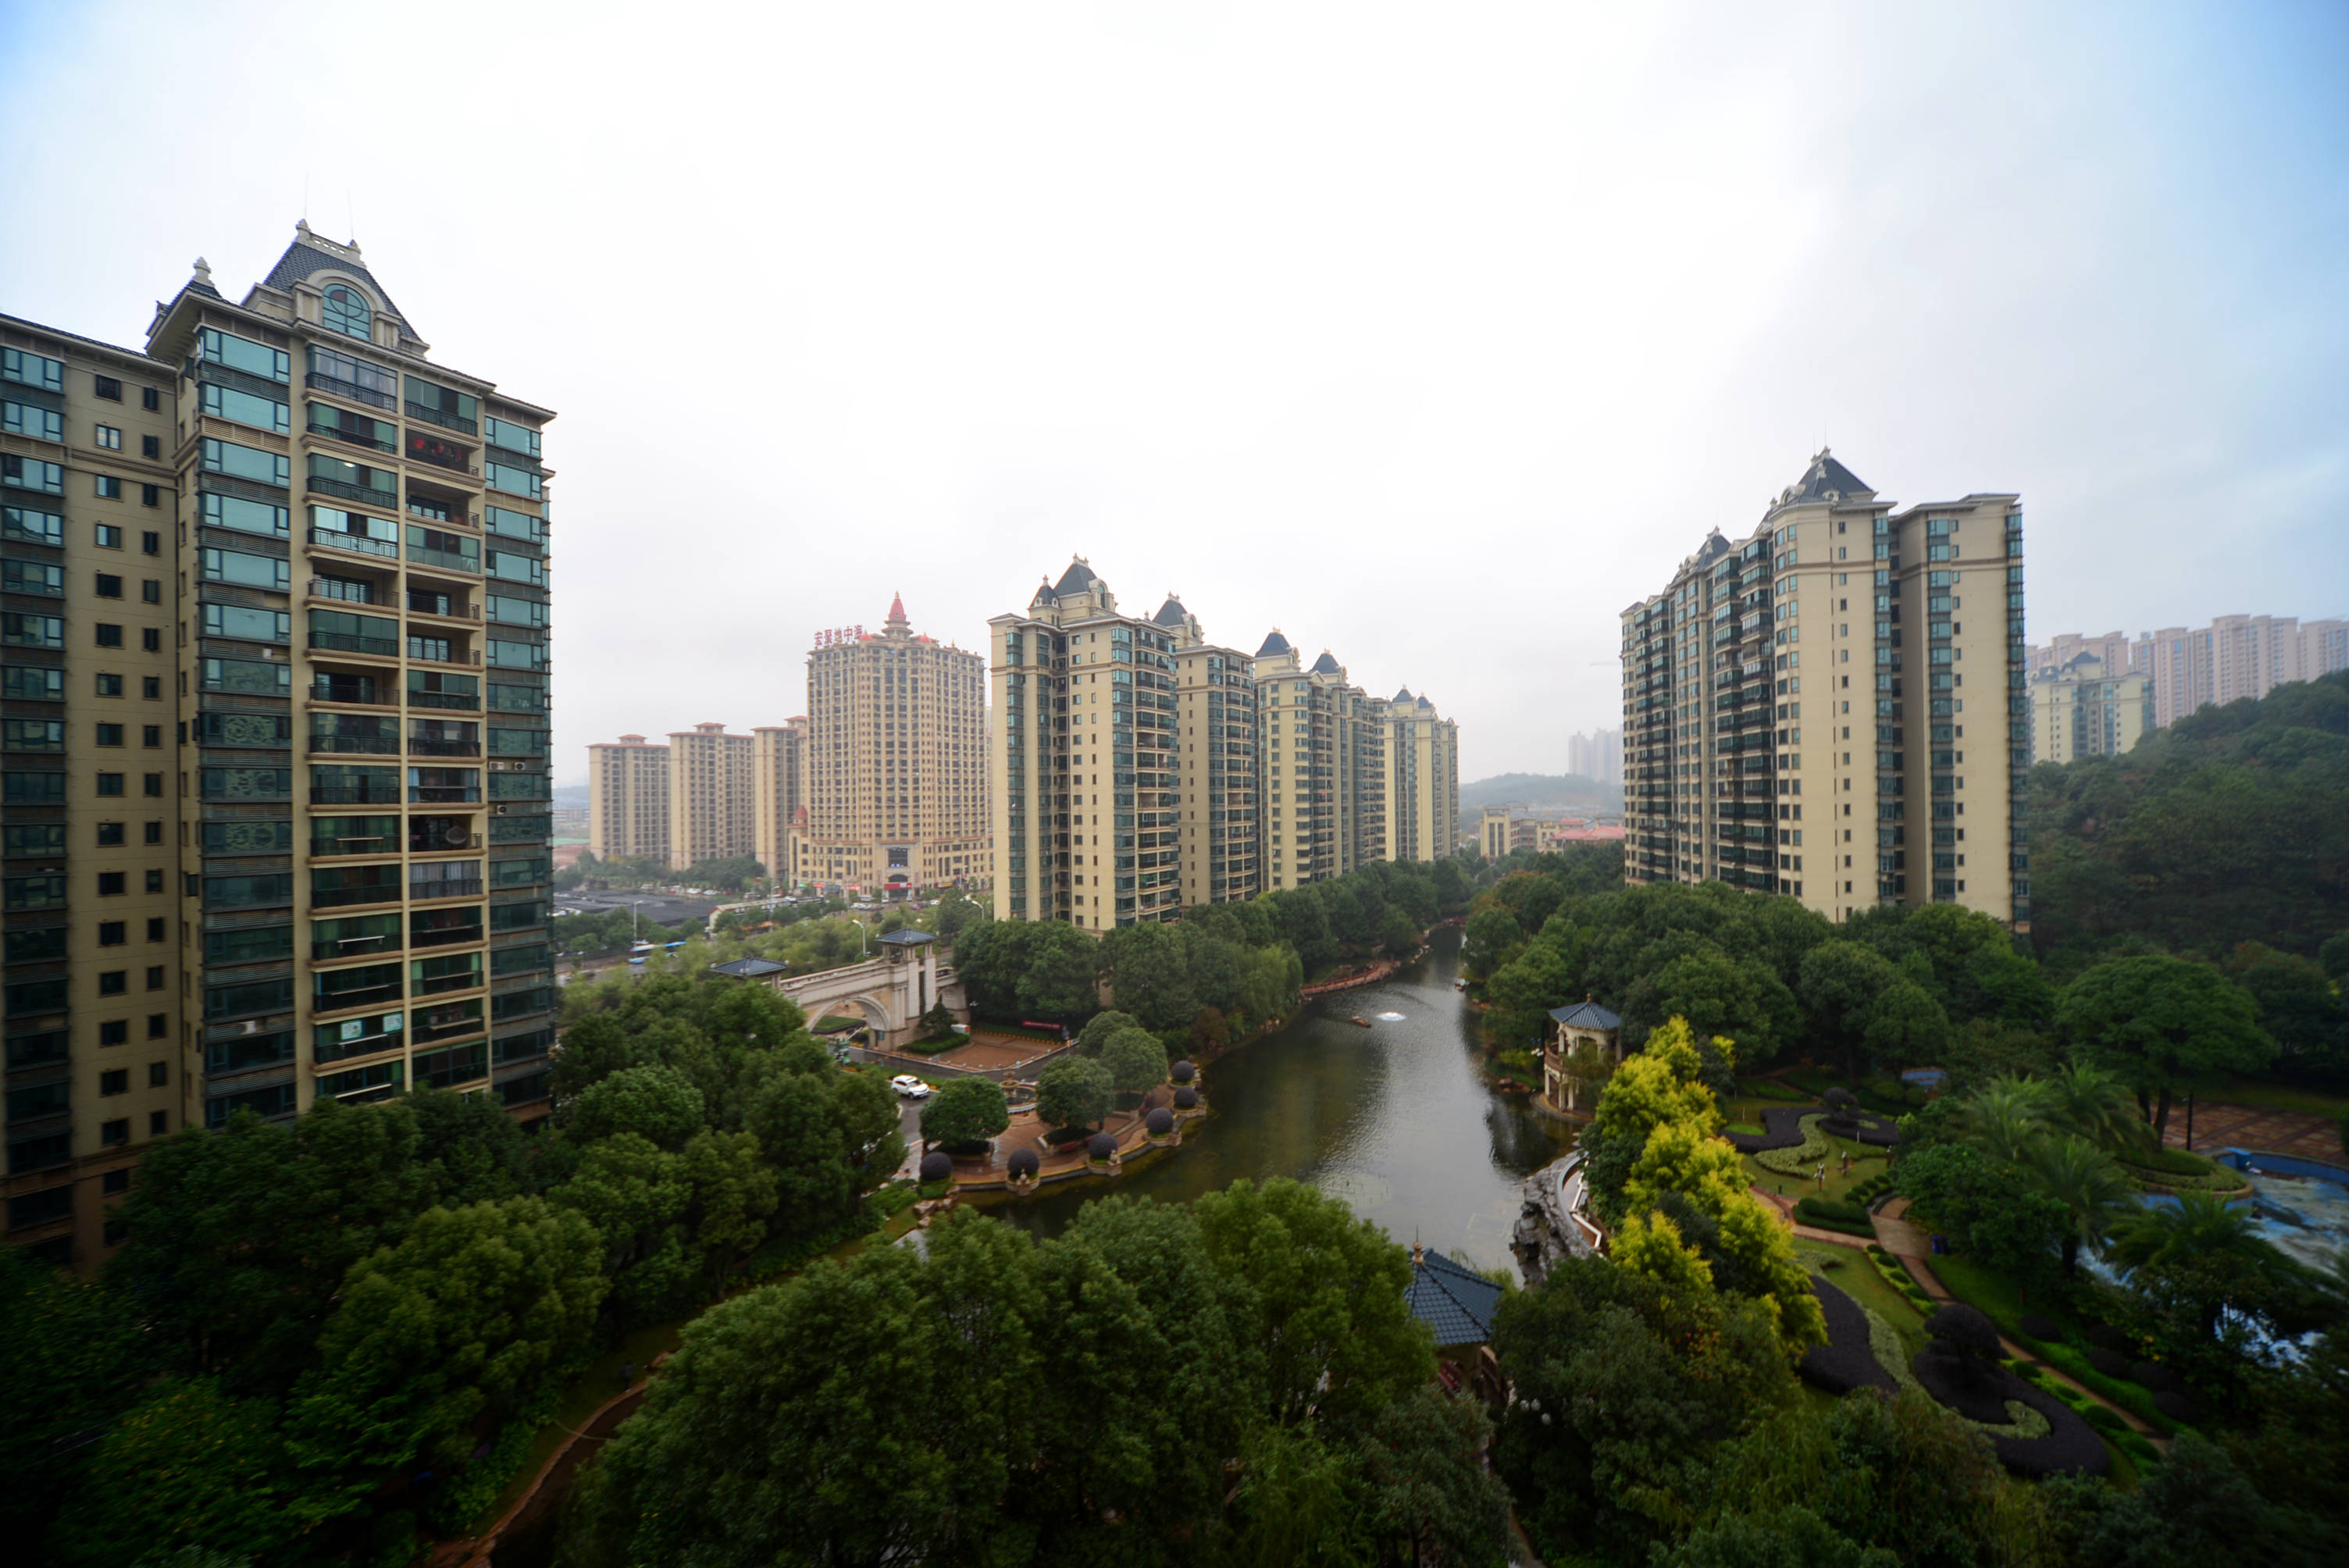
(2084, 1178)
(2095, 1105)
(2200, 1233)
(2005, 1117)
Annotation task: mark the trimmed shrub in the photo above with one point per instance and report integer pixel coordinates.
(1187, 1099)
(2153, 1377)
(937, 1165)
(1023, 1162)
(2176, 1407)
(1159, 1122)
(1101, 1146)
(2111, 1362)
(1181, 1072)
(2038, 1327)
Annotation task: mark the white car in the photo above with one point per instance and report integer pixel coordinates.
(910, 1087)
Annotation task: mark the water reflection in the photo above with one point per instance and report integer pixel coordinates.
(1395, 1119)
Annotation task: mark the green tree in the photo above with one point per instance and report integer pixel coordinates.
(657, 1103)
(1149, 972)
(191, 1466)
(1073, 1091)
(1062, 979)
(634, 1195)
(1324, 1324)
(862, 1413)
(968, 1111)
(2206, 1255)
(1101, 1027)
(731, 1195)
(1136, 1061)
(1840, 983)
(2094, 1193)
(2164, 1024)
(2298, 1010)
(1493, 938)
(454, 1329)
(81, 1358)
(1906, 1026)
(1426, 1482)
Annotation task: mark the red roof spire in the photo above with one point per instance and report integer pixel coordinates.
(896, 610)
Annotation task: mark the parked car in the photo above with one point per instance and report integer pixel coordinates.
(910, 1087)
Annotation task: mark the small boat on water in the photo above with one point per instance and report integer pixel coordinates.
(1358, 1018)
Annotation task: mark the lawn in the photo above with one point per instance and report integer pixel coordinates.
(1864, 1162)
(1857, 1277)
(2279, 1097)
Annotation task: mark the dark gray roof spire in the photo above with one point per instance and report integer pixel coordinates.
(1170, 614)
(1275, 643)
(1327, 665)
(1077, 578)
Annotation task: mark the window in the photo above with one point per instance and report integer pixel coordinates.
(110, 834)
(150, 447)
(151, 785)
(245, 408)
(156, 923)
(108, 388)
(150, 591)
(115, 1182)
(110, 686)
(108, 635)
(154, 976)
(32, 419)
(32, 577)
(109, 486)
(151, 398)
(31, 473)
(110, 784)
(113, 1134)
(35, 735)
(243, 354)
(110, 437)
(151, 542)
(150, 736)
(112, 932)
(158, 1122)
(107, 536)
(114, 982)
(28, 369)
(109, 586)
(151, 687)
(345, 311)
(109, 735)
(28, 525)
(112, 884)
(152, 640)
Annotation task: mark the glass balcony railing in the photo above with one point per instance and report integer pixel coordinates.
(444, 699)
(428, 890)
(423, 747)
(357, 543)
(360, 744)
(349, 643)
(343, 897)
(384, 499)
(446, 420)
(446, 560)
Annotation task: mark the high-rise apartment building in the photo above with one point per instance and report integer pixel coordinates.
(627, 800)
(2086, 708)
(1871, 796)
(1597, 756)
(2113, 651)
(1215, 728)
(778, 771)
(1131, 755)
(1422, 780)
(2232, 658)
(896, 786)
(279, 814)
(711, 795)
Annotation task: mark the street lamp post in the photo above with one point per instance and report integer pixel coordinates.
(864, 950)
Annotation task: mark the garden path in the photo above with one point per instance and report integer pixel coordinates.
(2218, 1125)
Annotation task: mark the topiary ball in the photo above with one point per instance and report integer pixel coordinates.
(1841, 1100)
(1963, 1328)
(1100, 1146)
(1160, 1122)
(2111, 1362)
(1182, 1072)
(937, 1166)
(2039, 1328)
(1187, 1099)
(2176, 1407)
(1023, 1162)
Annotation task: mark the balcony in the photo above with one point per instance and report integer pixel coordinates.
(336, 387)
(357, 543)
(349, 643)
(441, 606)
(382, 500)
(447, 421)
(437, 651)
(367, 844)
(422, 747)
(356, 745)
(444, 560)
(442, 794)
(356, 947)
(443, 700)
(420, 893)
(441, 454)
(351, 439)
(446, 937)
(346, 897)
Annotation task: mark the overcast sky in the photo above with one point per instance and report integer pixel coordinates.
(1431, 335)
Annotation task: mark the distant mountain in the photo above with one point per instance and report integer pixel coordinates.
(1539, 789)
(571, 795)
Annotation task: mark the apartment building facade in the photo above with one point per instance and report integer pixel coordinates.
(711, 795)
(1878, 801)
(2233, 658)
(895, 780)
(1135, 766)
(1597, 755)
(2086, 709)
(339, 657)
(627, 800)
(778, 774)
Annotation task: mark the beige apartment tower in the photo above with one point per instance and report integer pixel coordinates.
(627, 800)
(896, 783)
(1904, 782)
(711, 795)
(1136, 768)
(777, 772)
(2083, 709)
(279, 814)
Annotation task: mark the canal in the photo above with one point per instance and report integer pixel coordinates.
(1396, 1120)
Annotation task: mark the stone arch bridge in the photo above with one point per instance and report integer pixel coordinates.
(890, 991)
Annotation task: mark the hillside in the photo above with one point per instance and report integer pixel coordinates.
(2231, 826)
(1539, 789)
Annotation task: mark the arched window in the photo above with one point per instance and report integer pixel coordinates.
(348, 312)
